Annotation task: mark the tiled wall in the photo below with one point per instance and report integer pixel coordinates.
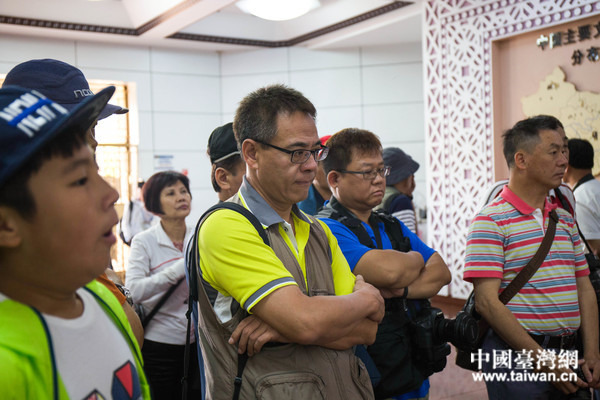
(180, 96)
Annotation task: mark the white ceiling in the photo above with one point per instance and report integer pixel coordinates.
(213, 25)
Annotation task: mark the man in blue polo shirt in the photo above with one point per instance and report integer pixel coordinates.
(400, 265)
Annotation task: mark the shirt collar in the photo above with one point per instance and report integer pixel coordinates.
(261, 209)
(521, 206)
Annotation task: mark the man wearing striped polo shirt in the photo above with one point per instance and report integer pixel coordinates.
(559, 298)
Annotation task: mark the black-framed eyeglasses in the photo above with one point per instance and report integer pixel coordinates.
(369, 175)
(300, 156)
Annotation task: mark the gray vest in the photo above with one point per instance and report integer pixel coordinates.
(289, 371)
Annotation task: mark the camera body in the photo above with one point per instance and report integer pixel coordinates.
(431, 332)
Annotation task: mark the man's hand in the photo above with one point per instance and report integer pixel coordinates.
(252, 334)
(373, 293)
(565, 386)
(590, 366)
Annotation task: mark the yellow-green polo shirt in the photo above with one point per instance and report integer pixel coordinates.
(239, 265)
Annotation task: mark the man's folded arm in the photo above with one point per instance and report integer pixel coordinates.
(389, 269)
(322, 320)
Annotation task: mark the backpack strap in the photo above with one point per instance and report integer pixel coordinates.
(336, 211)
(394, 231)
(192, 263)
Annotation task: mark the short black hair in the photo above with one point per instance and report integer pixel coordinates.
(346, 144)
(15, 192)
(524, 135)
(156, 183)
(256, 116)
(581, 154)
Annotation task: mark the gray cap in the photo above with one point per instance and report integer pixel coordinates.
(402, 165)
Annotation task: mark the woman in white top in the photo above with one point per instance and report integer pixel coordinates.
(156, 263)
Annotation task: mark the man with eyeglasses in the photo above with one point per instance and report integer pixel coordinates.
(295, 294)
(385, 252)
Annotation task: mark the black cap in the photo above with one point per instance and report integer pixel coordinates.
(222, 143)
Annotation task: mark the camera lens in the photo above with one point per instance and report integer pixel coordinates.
(462, 331)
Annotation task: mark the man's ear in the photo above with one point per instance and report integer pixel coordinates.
(249, 153)
(332, 179)
(221, 176)
(10, 236)
(520, 160)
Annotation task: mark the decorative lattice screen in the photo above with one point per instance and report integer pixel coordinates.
(458, 110)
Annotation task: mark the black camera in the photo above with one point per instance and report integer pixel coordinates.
(431, 332)
(461, 331)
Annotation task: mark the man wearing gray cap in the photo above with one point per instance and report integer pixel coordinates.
(400, 185)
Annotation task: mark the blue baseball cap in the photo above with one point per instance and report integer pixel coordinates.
(28, 120)
(57, 80)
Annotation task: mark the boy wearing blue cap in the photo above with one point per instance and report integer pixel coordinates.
(62, 334)
(66, 85)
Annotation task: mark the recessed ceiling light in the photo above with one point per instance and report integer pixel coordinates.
(277, 10)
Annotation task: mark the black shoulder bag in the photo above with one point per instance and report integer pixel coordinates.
(146, 319)
(463, 358)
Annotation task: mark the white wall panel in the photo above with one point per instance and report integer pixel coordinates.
(254, 62)
(111, 56)
(184, 62)
(393, 83)
(183, 131)
(185, 93)
(329, 87)
(396, 122)
(333, 119)
(15, 50)
(196, 163)
(146, 140)
(202, 199)
(303, 59)
(234, 88)
(391, 54)
(146, 164)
